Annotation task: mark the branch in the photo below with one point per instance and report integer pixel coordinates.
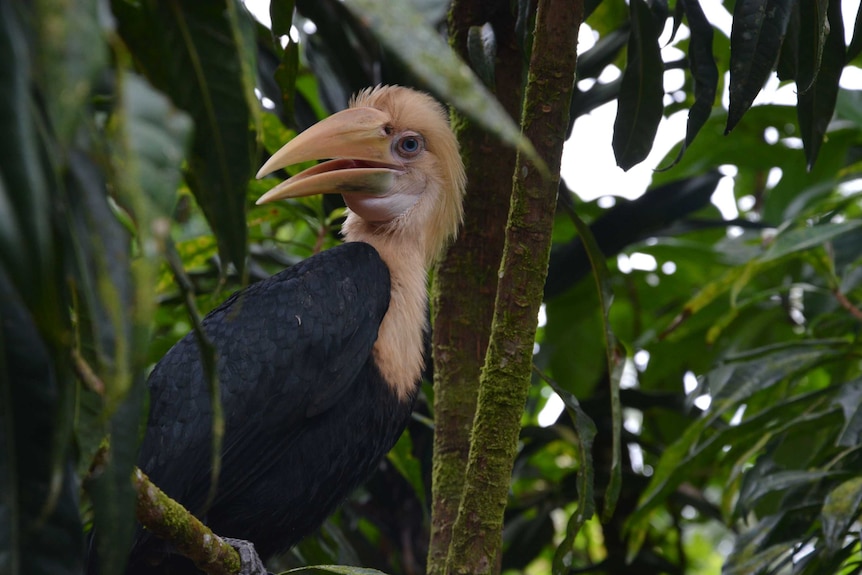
(847, 304)
(168, 520)
(476, 539)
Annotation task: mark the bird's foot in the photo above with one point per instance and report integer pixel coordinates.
(251, 562)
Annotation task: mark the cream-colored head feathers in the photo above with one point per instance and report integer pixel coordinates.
(438, 171)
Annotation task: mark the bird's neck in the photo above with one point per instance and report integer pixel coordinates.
(399, 350)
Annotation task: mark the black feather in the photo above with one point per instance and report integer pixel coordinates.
(307, 414)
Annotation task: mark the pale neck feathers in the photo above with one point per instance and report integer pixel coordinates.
(398, 351)
(411, 242)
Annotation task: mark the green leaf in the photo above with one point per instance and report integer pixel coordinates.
(281, 15)
(585, 433)
(813, 31)
(26, 241)
(757, 485)
(697, 449)
(615, 357)
(855, 46)
(482, 49)
(72, 53)
(734, 381)
(850, 399)
(40, 528)
(840, 509)
(639, 108)
(287, 70)
(788, 59)
(703, 70)
(421, 49)
(201, 59)
(758, 30)
(801, 239)
(148, 149)
(816, 101)
(402, 458)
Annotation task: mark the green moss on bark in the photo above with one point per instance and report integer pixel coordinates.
(476, 537)
(465, 283)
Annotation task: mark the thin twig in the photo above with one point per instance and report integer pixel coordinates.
(847, 304)
(85, 373)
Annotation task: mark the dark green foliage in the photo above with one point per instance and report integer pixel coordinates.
(130, 136)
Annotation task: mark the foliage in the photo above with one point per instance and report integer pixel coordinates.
(132, 131)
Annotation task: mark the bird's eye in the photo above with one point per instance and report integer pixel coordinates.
(409, 145)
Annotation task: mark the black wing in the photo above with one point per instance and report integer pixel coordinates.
(288, 348)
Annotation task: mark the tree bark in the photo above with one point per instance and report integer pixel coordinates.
(465, 282)
(476, 537)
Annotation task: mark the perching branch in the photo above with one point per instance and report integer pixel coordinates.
(167, 519)
(476, 538)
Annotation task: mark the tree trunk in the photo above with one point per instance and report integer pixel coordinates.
(476, 536)
(465, 283)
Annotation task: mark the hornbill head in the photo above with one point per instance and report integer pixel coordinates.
(394, 159)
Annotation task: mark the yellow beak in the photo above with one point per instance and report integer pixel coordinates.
(361, 161)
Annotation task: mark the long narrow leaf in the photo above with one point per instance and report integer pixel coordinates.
(813, 31)
(758, 31)
(614, 355)
(816, 102)
(200, 58)
(840, 510)
(704, 72)
(639, 108)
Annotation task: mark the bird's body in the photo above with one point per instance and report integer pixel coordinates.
(319, 365)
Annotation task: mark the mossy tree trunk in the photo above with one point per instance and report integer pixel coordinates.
(465, 285)
(482, 488)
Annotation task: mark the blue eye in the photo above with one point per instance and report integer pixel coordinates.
(410, 145)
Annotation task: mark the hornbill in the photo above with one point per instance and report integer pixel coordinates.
(319, 365)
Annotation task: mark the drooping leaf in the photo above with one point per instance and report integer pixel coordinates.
(639, 108)
(421, 49)
(698, 448)
(614, 356)
(26, 243)
(850, 400)
(788, 59)
(855, 46)
(813, 31)
(816, 103)
(70, 57)
(40, 528)
(281, 15)
(840, 509)
(201, 59)
(482, 49)
(703, 70)
(758, 31)
(585, 432)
